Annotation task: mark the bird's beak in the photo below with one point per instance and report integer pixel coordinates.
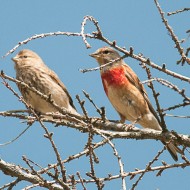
(15, 59)
(94, 55)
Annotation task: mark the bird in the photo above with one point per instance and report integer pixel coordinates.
(31, 70)
(127, 94)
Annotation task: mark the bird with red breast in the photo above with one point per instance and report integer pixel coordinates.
(127, 94)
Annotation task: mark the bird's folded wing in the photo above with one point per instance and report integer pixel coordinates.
(55, 78)
(132, 77)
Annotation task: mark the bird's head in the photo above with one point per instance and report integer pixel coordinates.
(105, 55)
(27, 58)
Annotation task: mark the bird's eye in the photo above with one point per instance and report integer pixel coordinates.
(106, 52)
(25, 56)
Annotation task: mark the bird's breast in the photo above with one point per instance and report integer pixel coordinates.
(114, 77)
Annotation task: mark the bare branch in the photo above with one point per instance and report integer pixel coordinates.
(43, 35)
(178, 11)
(148, 167)
(173, 36)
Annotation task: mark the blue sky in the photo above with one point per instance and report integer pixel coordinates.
(131, 23)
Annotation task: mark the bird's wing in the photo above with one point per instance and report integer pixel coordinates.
(132, 77)
(55, 78)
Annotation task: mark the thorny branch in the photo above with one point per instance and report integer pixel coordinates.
(92, 160)
(101, 128)
(162, 121)
(82, 124)
(173, 36)
(121, 165)
(99, 36)
(148, 167)
(168, 84)
(178, 11)
(139, 134)
(147, 61)
(43, 35)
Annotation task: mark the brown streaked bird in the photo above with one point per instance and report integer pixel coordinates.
(126, 93)
(31, 69)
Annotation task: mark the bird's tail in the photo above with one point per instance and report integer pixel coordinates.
(173, 150)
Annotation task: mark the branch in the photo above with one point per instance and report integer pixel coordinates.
(178, 11)
(15, 171)
(173, 36)
(43, 35)
(134, 173)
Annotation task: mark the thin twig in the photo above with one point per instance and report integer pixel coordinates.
(11, 184)
(43, 35)
(82, 106)
(178, 11)
(169, 85)
(115, 152)
(81, 180)
(176, 106)
(148, 167)
(17, 137)
(92, 102)
(98, 33)
(178, 116)
(162, 121)
(102, 66)
(171, 32)
(92, 174)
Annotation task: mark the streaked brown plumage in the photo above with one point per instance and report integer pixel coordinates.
(31, 69)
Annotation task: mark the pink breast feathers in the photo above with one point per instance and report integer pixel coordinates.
(113, 77)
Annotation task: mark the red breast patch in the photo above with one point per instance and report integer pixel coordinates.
(115, 76)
